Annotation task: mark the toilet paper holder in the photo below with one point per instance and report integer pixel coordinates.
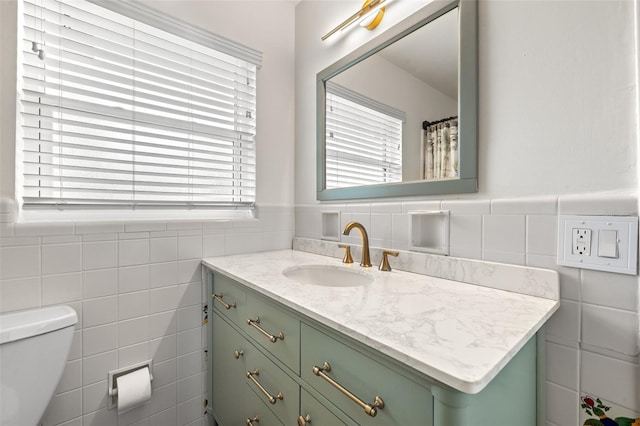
(112, 376)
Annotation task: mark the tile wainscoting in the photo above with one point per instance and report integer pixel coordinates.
(137, 289)
(592, 341)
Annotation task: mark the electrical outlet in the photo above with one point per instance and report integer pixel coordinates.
(604, 243)
(581, 241)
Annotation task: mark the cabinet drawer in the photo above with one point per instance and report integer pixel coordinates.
(228, 298)
(271, 385)
(316, 414)
(405, 401)
(275, 324)
(258, 413)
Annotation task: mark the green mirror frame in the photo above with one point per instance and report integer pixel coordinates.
(467, 106)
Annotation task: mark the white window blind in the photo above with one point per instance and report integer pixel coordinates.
(363, 140)
(117, 113)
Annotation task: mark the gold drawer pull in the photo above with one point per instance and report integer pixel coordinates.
(238, 353)
(272, 399)
(218, 297)
(378, 403)
(304, 420)
(254, 323)
(249, 421)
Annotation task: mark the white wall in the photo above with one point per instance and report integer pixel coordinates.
(557, 88)
(136, 284)
(557, 97)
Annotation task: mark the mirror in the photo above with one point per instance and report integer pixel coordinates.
(398, 116)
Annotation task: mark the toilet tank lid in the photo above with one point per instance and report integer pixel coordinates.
(21, 325)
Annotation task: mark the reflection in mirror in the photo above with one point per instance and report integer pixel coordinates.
(400, 118)
(414, 79)
(363, 139)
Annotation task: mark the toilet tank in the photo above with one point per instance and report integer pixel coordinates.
(34, 346)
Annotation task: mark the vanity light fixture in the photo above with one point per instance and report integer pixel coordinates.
(370, 15)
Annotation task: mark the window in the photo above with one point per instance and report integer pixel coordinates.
(363, 140)
(118, 113)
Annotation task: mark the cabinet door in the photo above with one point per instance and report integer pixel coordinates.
(316, 414)
(233, 391)
(228, 385)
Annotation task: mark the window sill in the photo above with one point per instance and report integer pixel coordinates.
(48, 216)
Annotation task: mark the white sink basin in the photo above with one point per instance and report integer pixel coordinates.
(328, 276)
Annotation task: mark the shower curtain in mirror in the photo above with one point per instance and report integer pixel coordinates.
(440, 149)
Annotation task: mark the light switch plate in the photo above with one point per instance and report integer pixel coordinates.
(612, 246)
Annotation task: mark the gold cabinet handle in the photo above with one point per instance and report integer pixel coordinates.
(371, 410)
(272, 399)
(218, 298)
(254, 323)
(347, 253)
(304, 420)
(384, 264)
(250, 422)
(238, 353)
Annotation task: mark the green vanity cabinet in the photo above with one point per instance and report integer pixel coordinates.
(293, 373)
(315, 413)
(406, 402)
(237, 396)
(226, 389)
(229, 299)
(260, 413)
(274, 325)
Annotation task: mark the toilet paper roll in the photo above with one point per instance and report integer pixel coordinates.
(133, 389)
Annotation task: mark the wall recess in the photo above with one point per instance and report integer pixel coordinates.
(429, 231)
(331, 226)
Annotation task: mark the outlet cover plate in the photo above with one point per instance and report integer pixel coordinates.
(626, 228)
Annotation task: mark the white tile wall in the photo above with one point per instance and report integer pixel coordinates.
(137, 289)
(504, 234)
(592, 341)
(610, 328)
(466, 232)
(611, 379)
(564, 370)
(562, 406)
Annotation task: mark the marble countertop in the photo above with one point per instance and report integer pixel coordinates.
(459, 334)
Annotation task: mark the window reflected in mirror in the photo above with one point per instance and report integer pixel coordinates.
(363, 140)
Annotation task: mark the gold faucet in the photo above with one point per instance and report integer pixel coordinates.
(366, 260)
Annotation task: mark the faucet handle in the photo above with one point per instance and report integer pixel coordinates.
(347, 253)
(384, 264)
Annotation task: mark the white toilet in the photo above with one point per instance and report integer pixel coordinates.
(34, 346)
